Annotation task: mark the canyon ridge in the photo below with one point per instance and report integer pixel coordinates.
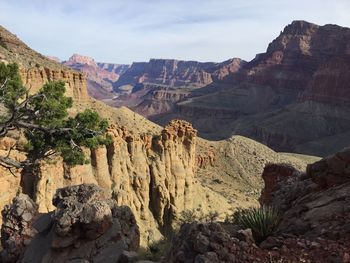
(292, 98)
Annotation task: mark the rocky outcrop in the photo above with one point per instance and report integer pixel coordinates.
(100, 76)
(36, 69)
(331, 171)
(314, 226)
(10, 183)
(153, 175)
(35, 78)
(84, 227)
(315, 204)
(276, 177)
(214, 243)
(17, 230)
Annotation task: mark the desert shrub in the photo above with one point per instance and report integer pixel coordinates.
(188, 216)
(261, 220)
(211, 217)
(155, 250)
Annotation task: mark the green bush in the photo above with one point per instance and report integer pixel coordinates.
(261, 220)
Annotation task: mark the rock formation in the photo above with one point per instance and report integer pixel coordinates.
(84, 227)
(153, 175)
(217, 243)
(36, 69)
(300, 81)
(316, 203)
(100, 76)
(17, 230)
(314, 224)
(155, 86)
(157, 172)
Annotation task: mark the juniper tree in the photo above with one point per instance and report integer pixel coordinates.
(43, 118)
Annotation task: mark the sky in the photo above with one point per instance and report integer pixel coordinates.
(125, 31)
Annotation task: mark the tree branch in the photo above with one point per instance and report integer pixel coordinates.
(8, 162)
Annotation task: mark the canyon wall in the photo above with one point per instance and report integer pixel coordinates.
(178, 73)
(294, 97)
(35, 78)
(36, 69)
(153, 175)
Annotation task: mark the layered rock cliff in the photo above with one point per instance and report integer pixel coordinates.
(36, 69)
(300, 81)
(100, 76)
(314, 203)
(153, 175)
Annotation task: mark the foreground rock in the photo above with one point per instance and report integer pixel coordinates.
(214, 243)
(85, 227)
(17, 230)
(315, 203)
(314, 227)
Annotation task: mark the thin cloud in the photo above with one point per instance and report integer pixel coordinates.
(123, 31)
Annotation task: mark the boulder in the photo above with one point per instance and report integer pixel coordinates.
(17, 230)
(85, 227)
(331, 171)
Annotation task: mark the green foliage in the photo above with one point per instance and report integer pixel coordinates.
(261, 220)
(51, 105)
(11, 87)
(44, 118)
(67, 134)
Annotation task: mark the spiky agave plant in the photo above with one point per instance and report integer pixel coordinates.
(261, 220)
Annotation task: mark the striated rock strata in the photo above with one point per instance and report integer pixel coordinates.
(100, 76)
(153, 175)
(294, 97)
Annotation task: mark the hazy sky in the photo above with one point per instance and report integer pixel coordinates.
(123, 31)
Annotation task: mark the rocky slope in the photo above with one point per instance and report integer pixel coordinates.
(314, 224)
(294, 97)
